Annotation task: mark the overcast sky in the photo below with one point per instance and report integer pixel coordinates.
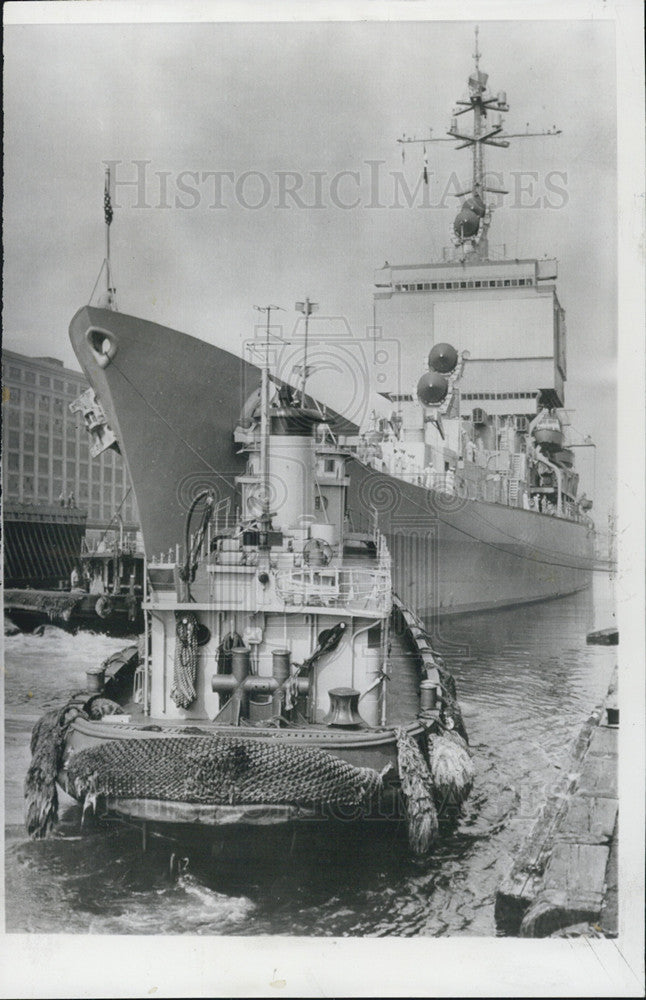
(316, 100)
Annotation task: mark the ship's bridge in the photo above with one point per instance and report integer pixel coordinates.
(506, 313)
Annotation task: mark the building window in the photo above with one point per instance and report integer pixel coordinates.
(73, 389)
(43, 488)
(30, 378)
(13, 485)
(14, 460)
(15, 373)
(14, 418)
(57, 447)
(57, 467)
(30, 398)
(28, 442)
(44, 381)
(14, 395)
(107, 475)
(96, 492)
(43, 445)
(83, 470)
(58, 406)
(328, 464)
(57, 487)
(29, 421)
(43, 422)
(70, 470)
(28, 463)
(58, 386)
(14, 439)
(96, 512)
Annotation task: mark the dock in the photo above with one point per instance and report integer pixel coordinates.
(564, 879)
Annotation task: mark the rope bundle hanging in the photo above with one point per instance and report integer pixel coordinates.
(451, 768)
(47, 747)
(417, 787)
(183, 690)
(47, 753)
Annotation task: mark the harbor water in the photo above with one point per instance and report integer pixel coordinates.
(526, 680)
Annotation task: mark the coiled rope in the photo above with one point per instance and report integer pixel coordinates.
(183, 690)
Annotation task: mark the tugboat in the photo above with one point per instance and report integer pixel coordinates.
(282, 679)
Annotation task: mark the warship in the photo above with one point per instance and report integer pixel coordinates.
(462, 448)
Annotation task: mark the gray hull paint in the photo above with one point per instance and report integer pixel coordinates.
(173, 402)
(452, 555)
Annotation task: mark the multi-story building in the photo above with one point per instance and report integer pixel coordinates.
(46, 448)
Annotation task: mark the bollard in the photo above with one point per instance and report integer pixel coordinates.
(95, 679)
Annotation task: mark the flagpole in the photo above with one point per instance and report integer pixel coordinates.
(107, 213)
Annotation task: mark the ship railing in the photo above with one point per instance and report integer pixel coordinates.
(349, 588)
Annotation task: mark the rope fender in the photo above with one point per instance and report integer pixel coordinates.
(417, 788)
(219, 770)
(47, 747)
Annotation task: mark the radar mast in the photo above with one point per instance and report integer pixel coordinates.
(471, 225)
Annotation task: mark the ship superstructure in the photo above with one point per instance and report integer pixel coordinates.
(488, 422)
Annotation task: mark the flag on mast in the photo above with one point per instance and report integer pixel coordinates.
(425, 166)
(107, 203)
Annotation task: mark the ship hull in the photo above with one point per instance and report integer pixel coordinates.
(41, 543)
(452, 556)
(173, 402)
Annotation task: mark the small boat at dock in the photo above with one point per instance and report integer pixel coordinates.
(105, 592)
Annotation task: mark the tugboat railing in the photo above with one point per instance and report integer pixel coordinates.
(350, 588)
